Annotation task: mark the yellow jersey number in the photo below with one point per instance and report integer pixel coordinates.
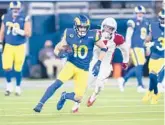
(11, 26)
(162, 43)
(143, 33)
(78, 51)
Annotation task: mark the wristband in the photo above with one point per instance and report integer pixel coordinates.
(104, 49)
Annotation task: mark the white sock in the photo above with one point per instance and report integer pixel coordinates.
(18, 89)
(9, 86)
(76, 105)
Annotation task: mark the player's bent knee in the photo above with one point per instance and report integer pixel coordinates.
(78, 98)
(18, 68)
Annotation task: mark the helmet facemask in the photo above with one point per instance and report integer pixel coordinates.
(108, 31)
(82, 29)
(162, 21)
(140, 16)
(15, 11)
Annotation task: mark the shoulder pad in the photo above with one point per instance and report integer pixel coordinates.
(119, 39)
(98, 35)
(131, 23)
(2, 17)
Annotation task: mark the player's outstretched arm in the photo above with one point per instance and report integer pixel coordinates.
(28, 27)
(61, 45)
(96, 68)
(103, 48)
(129, 32)
(2, 30)
(124, 48)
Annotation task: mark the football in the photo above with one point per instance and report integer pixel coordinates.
(67, 48)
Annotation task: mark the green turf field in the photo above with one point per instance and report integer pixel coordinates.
(112, 108)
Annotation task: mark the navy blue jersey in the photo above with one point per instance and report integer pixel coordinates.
(82, 47)
(158, 38)
(10, 36)
(140, 33)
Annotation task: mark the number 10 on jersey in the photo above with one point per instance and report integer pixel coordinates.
(80, 51)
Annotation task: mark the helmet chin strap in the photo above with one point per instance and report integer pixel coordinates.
(140, 18)
(81, 34)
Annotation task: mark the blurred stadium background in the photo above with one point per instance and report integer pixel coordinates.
(49, 19)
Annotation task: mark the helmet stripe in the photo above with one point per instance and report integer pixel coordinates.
(77, 20)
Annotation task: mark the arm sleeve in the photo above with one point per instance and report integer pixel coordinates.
(125, 52)
(129, 32)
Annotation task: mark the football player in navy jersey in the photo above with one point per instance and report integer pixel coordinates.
(135, 36)
(157, 59)
(81, 41)
(15, 28)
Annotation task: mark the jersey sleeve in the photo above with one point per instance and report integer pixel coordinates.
(119, 39)
(98, 35)
(124, 48)
(131, 23)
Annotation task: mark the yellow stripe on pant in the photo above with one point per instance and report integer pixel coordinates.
(156, 65)
(79, 76)
(138, 56)
(13, 54)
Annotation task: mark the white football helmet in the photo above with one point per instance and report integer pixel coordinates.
(162, 17)
(15, 7)
(140, 11)
(108, 27)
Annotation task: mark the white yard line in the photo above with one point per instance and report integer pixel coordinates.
(112, 106)
(105, 100)
(37, 97)
(66, 113)
(81, 121)
(104, 97)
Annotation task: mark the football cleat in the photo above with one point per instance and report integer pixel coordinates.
(9, 89)
(161, 88)
(75, 110)
(61, 102)
(38, 108)
(18, 91)
(90, 101)
(121, 84)
(155, 98)
(75, 107)
(7, 93)
(141, 89)
(147, 96)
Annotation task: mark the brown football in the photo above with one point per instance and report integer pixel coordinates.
(67, 48)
